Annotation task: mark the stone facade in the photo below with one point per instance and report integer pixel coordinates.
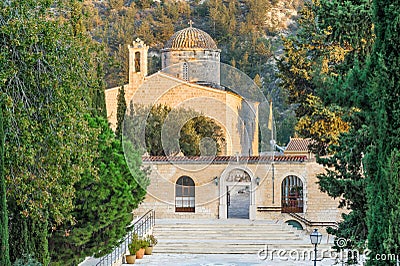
(211, 178)
(200, 66)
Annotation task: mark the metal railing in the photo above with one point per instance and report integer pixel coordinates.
(141, 227)
(313, 223)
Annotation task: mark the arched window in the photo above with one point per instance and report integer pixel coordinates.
(295, 224)
(185, 71)
(292, 194)
(137, 62)
(184, 195)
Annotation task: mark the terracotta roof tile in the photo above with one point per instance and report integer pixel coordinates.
(298, 145)
(222, 159)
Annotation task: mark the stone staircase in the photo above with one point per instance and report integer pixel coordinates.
(232, 236)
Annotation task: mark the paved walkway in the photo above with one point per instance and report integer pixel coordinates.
(219, 260)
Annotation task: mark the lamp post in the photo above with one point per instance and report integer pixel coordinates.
(315, 238)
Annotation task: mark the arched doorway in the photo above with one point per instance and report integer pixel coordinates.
(236, 195)
(238, 201)
(292, 195)
(184, 195)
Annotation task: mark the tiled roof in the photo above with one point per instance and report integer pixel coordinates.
(190, 38)
(223, 159)
(298, 145)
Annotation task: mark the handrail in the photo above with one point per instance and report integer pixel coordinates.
(141, 227)
(312, 223)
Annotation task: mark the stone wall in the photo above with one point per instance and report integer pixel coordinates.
(318, 206)
(202, 64)
(222, 106)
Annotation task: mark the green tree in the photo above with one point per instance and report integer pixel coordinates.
(323, 69)
(311, 65)
(46, 149)
(103, 202)
(4, 247)
(381, 169)
(97, 88)
(257, 9)
(152, 129)
(121, 109)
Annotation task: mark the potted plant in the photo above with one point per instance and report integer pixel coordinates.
(133, 248)
(142, 244)
(151, 241)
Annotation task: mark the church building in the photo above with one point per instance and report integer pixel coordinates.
(239, 182)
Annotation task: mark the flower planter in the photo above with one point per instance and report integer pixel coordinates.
(148, 250)
(140, 253)
(130, 259)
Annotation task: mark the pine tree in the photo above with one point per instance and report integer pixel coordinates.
(103, 203)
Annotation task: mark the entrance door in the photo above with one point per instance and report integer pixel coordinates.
(238, 201)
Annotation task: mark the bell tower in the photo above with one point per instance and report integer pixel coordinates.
(137, 62)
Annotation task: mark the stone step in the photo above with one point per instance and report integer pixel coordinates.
(281, 244)
(230, 221)
(223, 232)
(227, 222)
(238, 249)
(228, 237)
(223, 226)
(236, 238)
(239, 230)
(224, 229)
(233, 242)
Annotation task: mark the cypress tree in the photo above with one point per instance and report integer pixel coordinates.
(384, 123)
(4, 247)
(98, 95)
(121, 109)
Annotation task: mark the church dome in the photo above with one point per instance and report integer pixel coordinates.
(191, 38)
